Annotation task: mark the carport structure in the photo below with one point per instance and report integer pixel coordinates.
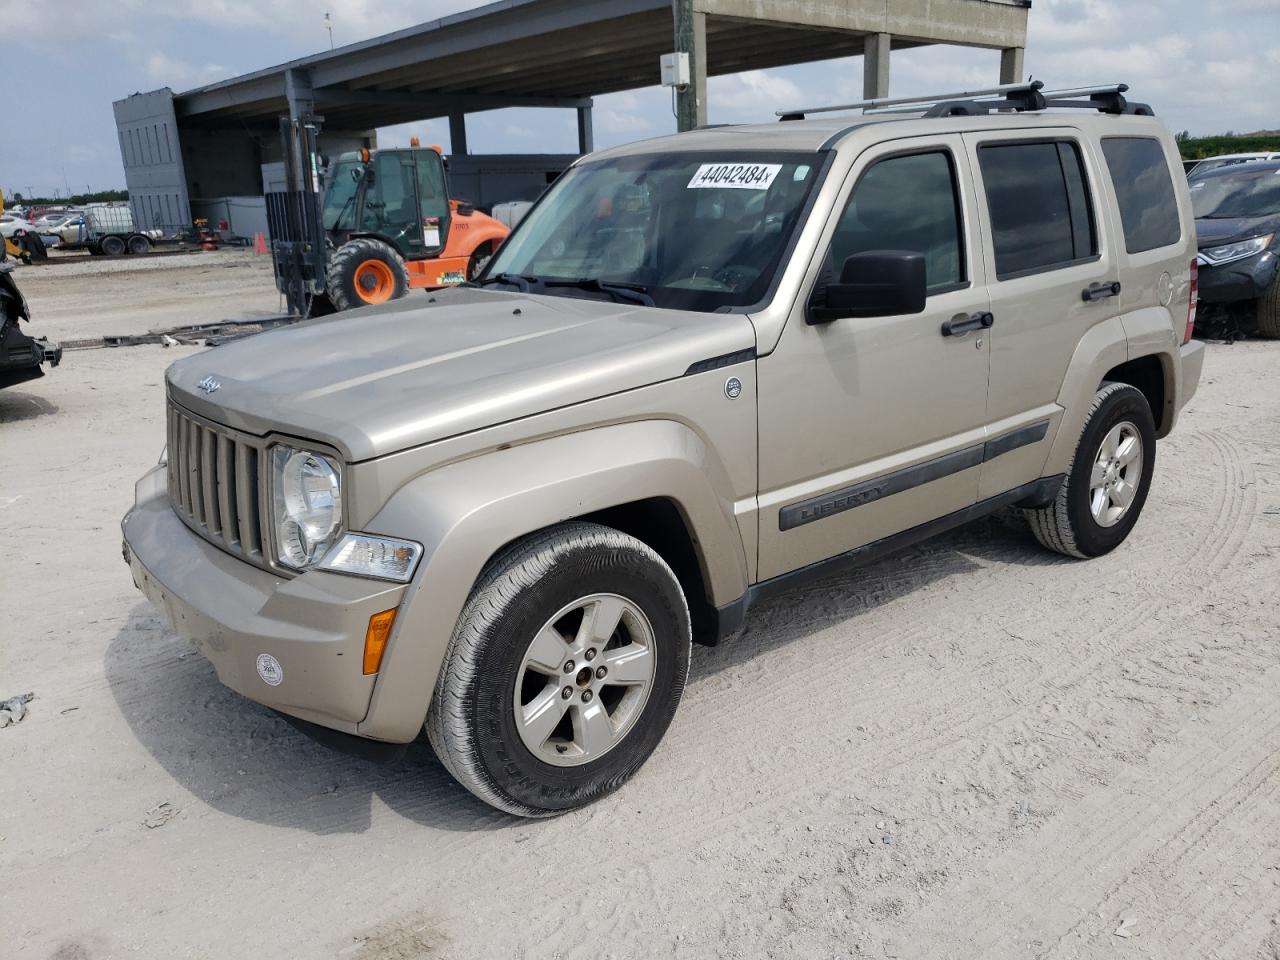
(527, 53)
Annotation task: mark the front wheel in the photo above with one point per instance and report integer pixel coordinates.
(564, 671)
(1269, 311)
(1107, 483)
(112, 246)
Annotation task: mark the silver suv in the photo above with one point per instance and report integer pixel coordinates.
(703, 369)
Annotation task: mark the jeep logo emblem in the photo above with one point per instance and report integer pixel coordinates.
(733, 388)
(209, 385)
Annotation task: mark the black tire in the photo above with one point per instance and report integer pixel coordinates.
(479, 259)
(1268, 316)
(34, 244)
(112, 246)
(341, 278)
(1067, 525)
(472, 723)
(137, 244)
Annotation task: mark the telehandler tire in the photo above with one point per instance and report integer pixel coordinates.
(363, 272)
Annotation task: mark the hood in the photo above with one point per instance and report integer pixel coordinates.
(1214, 232)
(382, 379)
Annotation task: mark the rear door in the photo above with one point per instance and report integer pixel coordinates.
(1051, 275)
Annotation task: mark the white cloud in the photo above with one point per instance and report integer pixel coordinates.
(164, 70)
(753, 95)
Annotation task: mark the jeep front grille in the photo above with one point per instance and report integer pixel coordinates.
(214, 484)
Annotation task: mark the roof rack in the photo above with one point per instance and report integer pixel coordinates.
(1108, 98)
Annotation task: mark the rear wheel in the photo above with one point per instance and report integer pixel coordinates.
(1107, 482)
(363, 272)
(1269, 312)
(138, 244)
(564, 670)
(112, 246)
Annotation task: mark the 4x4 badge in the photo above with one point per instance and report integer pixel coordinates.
(733, 388)
(209, 385)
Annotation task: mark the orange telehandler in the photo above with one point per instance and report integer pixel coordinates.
(385, 225)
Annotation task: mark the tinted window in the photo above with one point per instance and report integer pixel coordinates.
(1144, 190)
(905, 203)
(1038, 198)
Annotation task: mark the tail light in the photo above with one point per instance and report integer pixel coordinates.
(1191, 304)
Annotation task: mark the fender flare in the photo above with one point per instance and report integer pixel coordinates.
(1103, 346)
(464, 512)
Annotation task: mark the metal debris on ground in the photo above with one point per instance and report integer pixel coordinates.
(201, 334)
(15, 708)
(159, 815)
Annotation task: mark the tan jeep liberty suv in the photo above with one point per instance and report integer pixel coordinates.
(702, 369)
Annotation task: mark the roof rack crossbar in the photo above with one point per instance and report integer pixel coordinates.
(1106, 98)
(869, 105)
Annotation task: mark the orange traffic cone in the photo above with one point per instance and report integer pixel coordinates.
(259, 242)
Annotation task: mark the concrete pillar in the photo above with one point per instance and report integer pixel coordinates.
(691, 38)
(297, 90)
(458, 133)
(875, 67)
(1011, 65)
(586, 137)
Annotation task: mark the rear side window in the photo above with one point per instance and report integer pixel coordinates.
(1038, 198)
(1144, 190)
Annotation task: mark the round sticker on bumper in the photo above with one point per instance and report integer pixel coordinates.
(269, 670)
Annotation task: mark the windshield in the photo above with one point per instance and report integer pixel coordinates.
(692, 231)
(1249, 193)
(339, 198)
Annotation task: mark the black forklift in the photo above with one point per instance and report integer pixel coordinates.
(22, 358)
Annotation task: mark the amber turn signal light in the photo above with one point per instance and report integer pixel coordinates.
(375, 639)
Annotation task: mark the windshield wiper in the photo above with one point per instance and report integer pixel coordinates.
(520, 282)
(618, 289)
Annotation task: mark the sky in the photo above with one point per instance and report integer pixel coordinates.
(1207, 66)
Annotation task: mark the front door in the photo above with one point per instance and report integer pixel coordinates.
(870, 426)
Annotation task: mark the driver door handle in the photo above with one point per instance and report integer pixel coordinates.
(964, 322)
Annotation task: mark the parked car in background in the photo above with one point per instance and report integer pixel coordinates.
(11, 224)
(1237, 211)
(50, 221)
(1229, 160)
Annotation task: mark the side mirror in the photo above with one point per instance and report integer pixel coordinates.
(878, 283)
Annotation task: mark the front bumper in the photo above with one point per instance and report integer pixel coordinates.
(313, 625)
(1245, 279)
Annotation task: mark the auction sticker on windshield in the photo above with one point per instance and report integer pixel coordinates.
(735, 176)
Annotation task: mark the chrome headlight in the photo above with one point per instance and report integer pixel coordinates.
(1236, 251)
(306, 499)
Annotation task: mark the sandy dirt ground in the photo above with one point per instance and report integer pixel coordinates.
(96, 298)
(973, 749)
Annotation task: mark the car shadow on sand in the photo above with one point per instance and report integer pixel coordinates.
(244, 760)
(1002, 538)
(16, 406)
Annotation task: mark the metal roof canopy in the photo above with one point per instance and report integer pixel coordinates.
(558, 53)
